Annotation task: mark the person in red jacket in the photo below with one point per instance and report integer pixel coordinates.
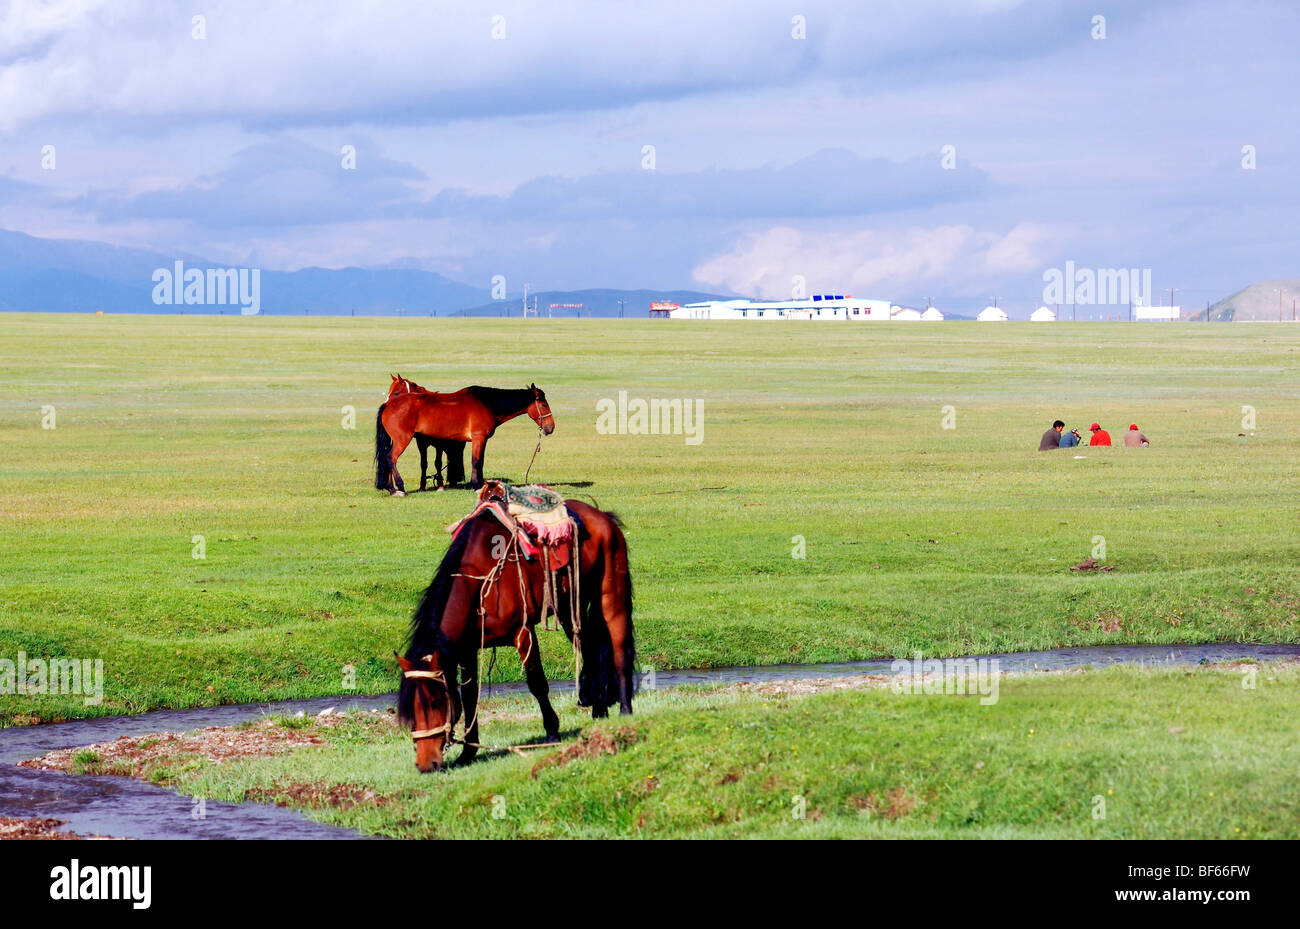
(1099, 435)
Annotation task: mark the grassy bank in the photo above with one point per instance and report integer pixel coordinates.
(951, 541)
(1119, 753)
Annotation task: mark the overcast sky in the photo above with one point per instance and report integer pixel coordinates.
(524, 153)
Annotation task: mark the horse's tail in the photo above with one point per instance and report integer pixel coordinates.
(426, 632)
(598, 680)
(383, 452)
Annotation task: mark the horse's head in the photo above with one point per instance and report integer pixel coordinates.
(428, 702)
(401, 385)
(540, 411)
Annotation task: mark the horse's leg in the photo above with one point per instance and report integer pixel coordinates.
(469, 707)
(423, 442)
(455, 463)
(399, 445)
(437, 465)
(538, 686)
(476, 462)
(613, 602)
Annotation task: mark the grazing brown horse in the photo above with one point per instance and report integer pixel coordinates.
(454, 450)
(469, 415)
(484, 598)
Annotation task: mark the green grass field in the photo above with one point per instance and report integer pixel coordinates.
(949, 541)
(1121, 753)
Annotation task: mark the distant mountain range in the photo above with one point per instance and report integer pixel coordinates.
(63, 275)
(75, 276)
(1259, 302)
(69, 276)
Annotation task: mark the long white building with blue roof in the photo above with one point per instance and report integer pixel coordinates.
(819, 307)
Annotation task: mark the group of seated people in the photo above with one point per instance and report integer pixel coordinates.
(1057, 437)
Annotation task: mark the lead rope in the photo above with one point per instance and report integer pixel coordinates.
(529, 469)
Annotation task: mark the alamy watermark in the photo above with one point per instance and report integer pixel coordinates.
(1103, 286)
(931, 676)
(179, 286)
(658, 416)
(41, 676)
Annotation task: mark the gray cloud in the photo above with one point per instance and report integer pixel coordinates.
(281, 182)
(135, 63)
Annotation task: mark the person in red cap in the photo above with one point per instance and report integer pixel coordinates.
(1099, 435)
(1134, 437)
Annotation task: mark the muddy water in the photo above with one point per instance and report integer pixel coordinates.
(122, 807)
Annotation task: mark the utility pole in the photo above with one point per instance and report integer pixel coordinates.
(620, 309)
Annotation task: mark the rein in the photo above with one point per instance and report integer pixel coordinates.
(540, 434)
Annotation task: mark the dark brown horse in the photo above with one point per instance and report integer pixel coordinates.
(452, 449)
(482, 597)
(470, 415)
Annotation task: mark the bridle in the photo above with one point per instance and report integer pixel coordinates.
(441, 678)
(537, 403)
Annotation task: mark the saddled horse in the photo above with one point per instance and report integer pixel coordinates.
(482, 597)
(469, 415)
(453, 450)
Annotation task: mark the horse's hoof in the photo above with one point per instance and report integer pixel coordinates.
(399, 493)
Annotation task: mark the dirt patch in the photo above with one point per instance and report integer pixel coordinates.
(893, 804)
(38, 829)
(151, 756)
(1091, 564)
(812, 685)
(337, 796)
(591, 745)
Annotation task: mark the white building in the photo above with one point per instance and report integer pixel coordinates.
(904, 314)
(1042, 315)
(818, 308)
(931, 315)
(992, 314)
(1169, 313)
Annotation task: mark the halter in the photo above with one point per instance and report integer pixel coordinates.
(549, 415)
(440, 677)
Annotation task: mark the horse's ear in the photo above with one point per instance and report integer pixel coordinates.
(404, 663)
(532, 386)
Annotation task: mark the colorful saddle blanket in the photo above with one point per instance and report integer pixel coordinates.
(535, 514)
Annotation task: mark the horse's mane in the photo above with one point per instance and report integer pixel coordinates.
(426, 625)
(503, 400)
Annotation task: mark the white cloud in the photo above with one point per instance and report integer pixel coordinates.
(874, 263)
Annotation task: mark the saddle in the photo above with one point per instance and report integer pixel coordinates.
(534, 514)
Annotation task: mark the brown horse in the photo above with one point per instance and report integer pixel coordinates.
(483, 597)
(469, 415)
(453, 450)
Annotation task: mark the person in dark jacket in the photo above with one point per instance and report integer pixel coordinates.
(1052, 437)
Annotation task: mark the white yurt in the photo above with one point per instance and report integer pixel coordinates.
(992, 314)
(907, 314)
(931, 315)
(1042, 315)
